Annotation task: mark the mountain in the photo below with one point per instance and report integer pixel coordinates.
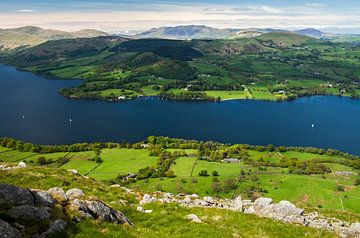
(32, 35)
(245, 34)
(310, 32)
(187, 32)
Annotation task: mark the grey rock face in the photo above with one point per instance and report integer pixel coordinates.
(58, 194)
(8, 231)
(27, 214)
(74, 193)
(14, 196)
(43, 198)
(98, 210)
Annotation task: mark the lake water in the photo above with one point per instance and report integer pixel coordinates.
(32, 110)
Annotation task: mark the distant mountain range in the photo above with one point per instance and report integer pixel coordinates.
(31, 35)
(204, 32)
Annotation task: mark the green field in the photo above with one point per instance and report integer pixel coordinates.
(319, 192)
(121, 161)
(166, 220)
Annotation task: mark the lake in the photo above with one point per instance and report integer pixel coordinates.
(32, 110)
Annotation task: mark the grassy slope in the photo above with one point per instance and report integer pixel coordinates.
(314, 192)
(165, 221)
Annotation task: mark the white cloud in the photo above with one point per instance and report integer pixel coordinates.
(315, 5)
(25, 10)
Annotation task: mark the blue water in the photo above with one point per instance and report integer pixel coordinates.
(32, 110)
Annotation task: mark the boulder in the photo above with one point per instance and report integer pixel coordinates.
(249, 209)
(286, 208)
(262, 202)
(11, 196)
(43, 198)
(209, 200)
(147, 199)
(74, 171)
(54, 228)
(27, 214)
(355, 227)
(237, 204)
(74, 193)
(58, 194)
(98, 210)
(193, 218)
(21, 165)
(8, 231)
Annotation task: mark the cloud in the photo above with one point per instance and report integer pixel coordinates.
(315, 5)
(25, 10)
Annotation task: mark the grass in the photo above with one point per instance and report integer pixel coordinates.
(165, 221)
(122, 161)
(226, 95)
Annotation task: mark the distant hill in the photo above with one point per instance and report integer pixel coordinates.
(31, 36)
(284, 38)
(310, 32)
(187, 32)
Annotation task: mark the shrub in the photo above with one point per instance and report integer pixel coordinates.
(41, 160)
(170, 173)
(230, 184)
(340, 188)
(203, 173)
(357, 182)
(215, 173)
(216, 187)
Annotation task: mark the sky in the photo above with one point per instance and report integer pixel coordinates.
(337, 16)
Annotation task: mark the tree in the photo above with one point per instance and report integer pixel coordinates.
(215, 173)
(41, 160)
(203, 173)
(170, 173)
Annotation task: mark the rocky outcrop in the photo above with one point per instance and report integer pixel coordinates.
(283, 211)
(21, 165)
(41, 214)
(97, 210)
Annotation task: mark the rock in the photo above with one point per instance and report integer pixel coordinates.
(355, 227)
(249, 210)
(27, 214)
(105, 213)
(74, 171)
(195, 196)
(8, 231)
(237, 204)
(21, 165)
(187, 199)
(98, 210)
(43, 198)
(140, 209)
(54, 227)
(193, 218)
(58, 194)
(115, 186)
(209, 200)
(199, 203)
(147, 199)
(148, 211)
(14, 196)
(262, 202)
(286, 208)
(74, 193)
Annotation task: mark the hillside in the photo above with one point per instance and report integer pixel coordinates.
(31, 36)
(152, 184)
(267, 66)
